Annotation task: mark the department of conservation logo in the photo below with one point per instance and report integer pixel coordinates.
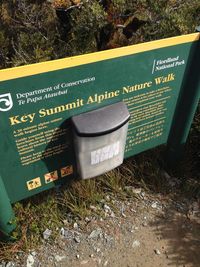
(6, 102)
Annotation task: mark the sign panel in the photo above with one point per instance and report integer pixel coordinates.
(37, 102)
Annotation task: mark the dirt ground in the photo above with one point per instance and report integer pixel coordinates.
(148, 231)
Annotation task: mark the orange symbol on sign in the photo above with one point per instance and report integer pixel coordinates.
(34, 183)
(65, 171)
(50, 177)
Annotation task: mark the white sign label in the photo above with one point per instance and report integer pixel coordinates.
(105, 153)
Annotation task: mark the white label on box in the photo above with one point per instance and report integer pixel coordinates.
(105, 153)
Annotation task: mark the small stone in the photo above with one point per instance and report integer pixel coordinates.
(33, 253)
(46, 234)
(59, 258)
(144, 224)
(67, 234)
(65, 222)
(10, 264)
(132, 210)
(157, 251)
(137, 191)
(154, 205)
(96, 233)
(84, 262)
(112, 214)
(76, 226)
(107, 198)
(77, 239)
(87, 219)
(136, 244)
(29, 262)
(78, 256)
(105, 263)
(93, 208)
(107, 208)
(91, 255)
(98, 250)
(132, 229)
(62, 231)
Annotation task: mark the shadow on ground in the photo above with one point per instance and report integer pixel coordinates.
(180, 228)
(179, 225)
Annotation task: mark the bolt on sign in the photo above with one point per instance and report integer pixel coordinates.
(158, 81)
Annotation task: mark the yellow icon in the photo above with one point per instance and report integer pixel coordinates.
(34, 183)
(65, 171)
(51, 177)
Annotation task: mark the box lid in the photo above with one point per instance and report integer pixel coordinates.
(101, 121)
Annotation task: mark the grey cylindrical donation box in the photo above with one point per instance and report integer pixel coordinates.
(100, 138)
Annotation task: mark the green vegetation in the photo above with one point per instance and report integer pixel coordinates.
(32, 31)
(35, 31)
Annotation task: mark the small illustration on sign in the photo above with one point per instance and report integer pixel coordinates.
(34, 183)
(65, 171)
(50, 177)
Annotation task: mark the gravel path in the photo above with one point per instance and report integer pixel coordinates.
(148, 231)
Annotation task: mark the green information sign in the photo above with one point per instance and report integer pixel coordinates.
(158, 81)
